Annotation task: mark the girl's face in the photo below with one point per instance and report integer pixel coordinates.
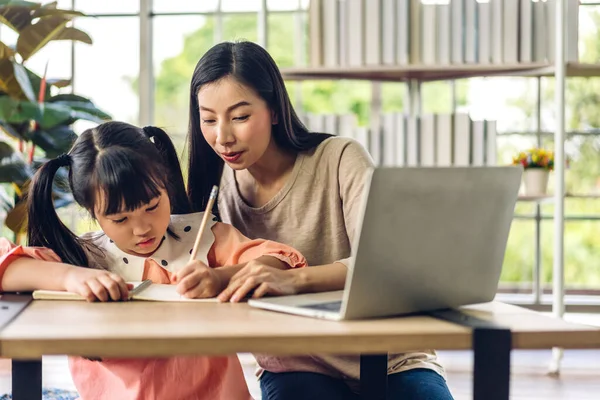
(235, 122)
(139, 232)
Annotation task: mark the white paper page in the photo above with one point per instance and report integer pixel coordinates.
(158, 292)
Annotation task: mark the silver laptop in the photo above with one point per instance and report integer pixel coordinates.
(426, 239)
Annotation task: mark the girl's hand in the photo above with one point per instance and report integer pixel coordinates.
(261, 278)
(197, 280)
(96, 285)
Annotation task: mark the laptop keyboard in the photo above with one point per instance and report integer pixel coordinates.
(329, 306)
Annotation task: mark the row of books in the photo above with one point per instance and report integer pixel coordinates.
(397, 139)
(437, 32)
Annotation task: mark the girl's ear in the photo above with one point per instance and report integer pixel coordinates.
(274, 119)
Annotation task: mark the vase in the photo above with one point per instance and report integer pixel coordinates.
(536, 181)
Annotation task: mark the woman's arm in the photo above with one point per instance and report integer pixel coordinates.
(320, 278)
(259, 279)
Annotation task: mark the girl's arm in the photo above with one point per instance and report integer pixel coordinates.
(27, 274)
(28, 268)
(232, 249)
(25, 269)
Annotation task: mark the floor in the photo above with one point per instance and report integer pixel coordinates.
(579, 377)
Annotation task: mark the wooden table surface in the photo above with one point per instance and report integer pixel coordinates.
(138, 329)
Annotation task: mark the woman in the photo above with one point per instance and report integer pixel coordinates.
(280, 182)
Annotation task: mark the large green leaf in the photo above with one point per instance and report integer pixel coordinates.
(22, 77)
(48, 115)
(69, 33)
(54, 141)
(8, 81)
(12, 166)
(79, 103)
(6, 201)
(16, 219)
(68, 97)
(59, 83)
(55, 114)
(36, 82)
(15, 111)
(6, 51)
(17, 14)
(44, 12)
(10, 130)
(87, 107)
(19, 3)
(33, 37)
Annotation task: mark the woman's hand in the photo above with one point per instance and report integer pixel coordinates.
(261, 278)
(197, 280)
(96, 285)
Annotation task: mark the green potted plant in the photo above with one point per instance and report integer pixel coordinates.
(35, 118)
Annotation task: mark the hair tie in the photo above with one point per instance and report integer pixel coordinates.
(64, 160)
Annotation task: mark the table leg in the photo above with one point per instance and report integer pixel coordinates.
(492, 345)
(26, 380)
(491, 366)
(26, 375)
(373, 376)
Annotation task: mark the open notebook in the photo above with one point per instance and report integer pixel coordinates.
(146, 291)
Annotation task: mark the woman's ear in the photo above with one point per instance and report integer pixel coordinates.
(274, 119)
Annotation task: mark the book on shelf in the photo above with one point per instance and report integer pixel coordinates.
(431, 140)
(436, 32)
(142, 291)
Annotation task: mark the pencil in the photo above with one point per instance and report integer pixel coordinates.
(207, 212)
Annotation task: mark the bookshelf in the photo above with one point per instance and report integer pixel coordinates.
(527, 39)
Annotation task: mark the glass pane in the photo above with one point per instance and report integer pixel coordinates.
(581, 254)
(8, 36)
(581, 248)
(519, 256)
(64, 4)
(107, 71)
(583, 172)
(108, 6)
(57, 55)
(170, 6)
(282, 5)
(179, 42)
(281, 32)
(237, 5)
(437, 97)
(340, 97)
(240, 27)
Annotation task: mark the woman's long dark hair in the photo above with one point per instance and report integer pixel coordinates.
(128, 164)
(252, 66)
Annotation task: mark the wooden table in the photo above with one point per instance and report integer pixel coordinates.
(144, 329)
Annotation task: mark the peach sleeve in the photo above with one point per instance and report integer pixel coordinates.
(9, 252)
(231, 247)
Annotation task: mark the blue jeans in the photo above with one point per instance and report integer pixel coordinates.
(415, 384)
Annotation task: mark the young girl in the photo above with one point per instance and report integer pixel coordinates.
(130, 181)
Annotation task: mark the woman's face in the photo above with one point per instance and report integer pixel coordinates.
(235, 122)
